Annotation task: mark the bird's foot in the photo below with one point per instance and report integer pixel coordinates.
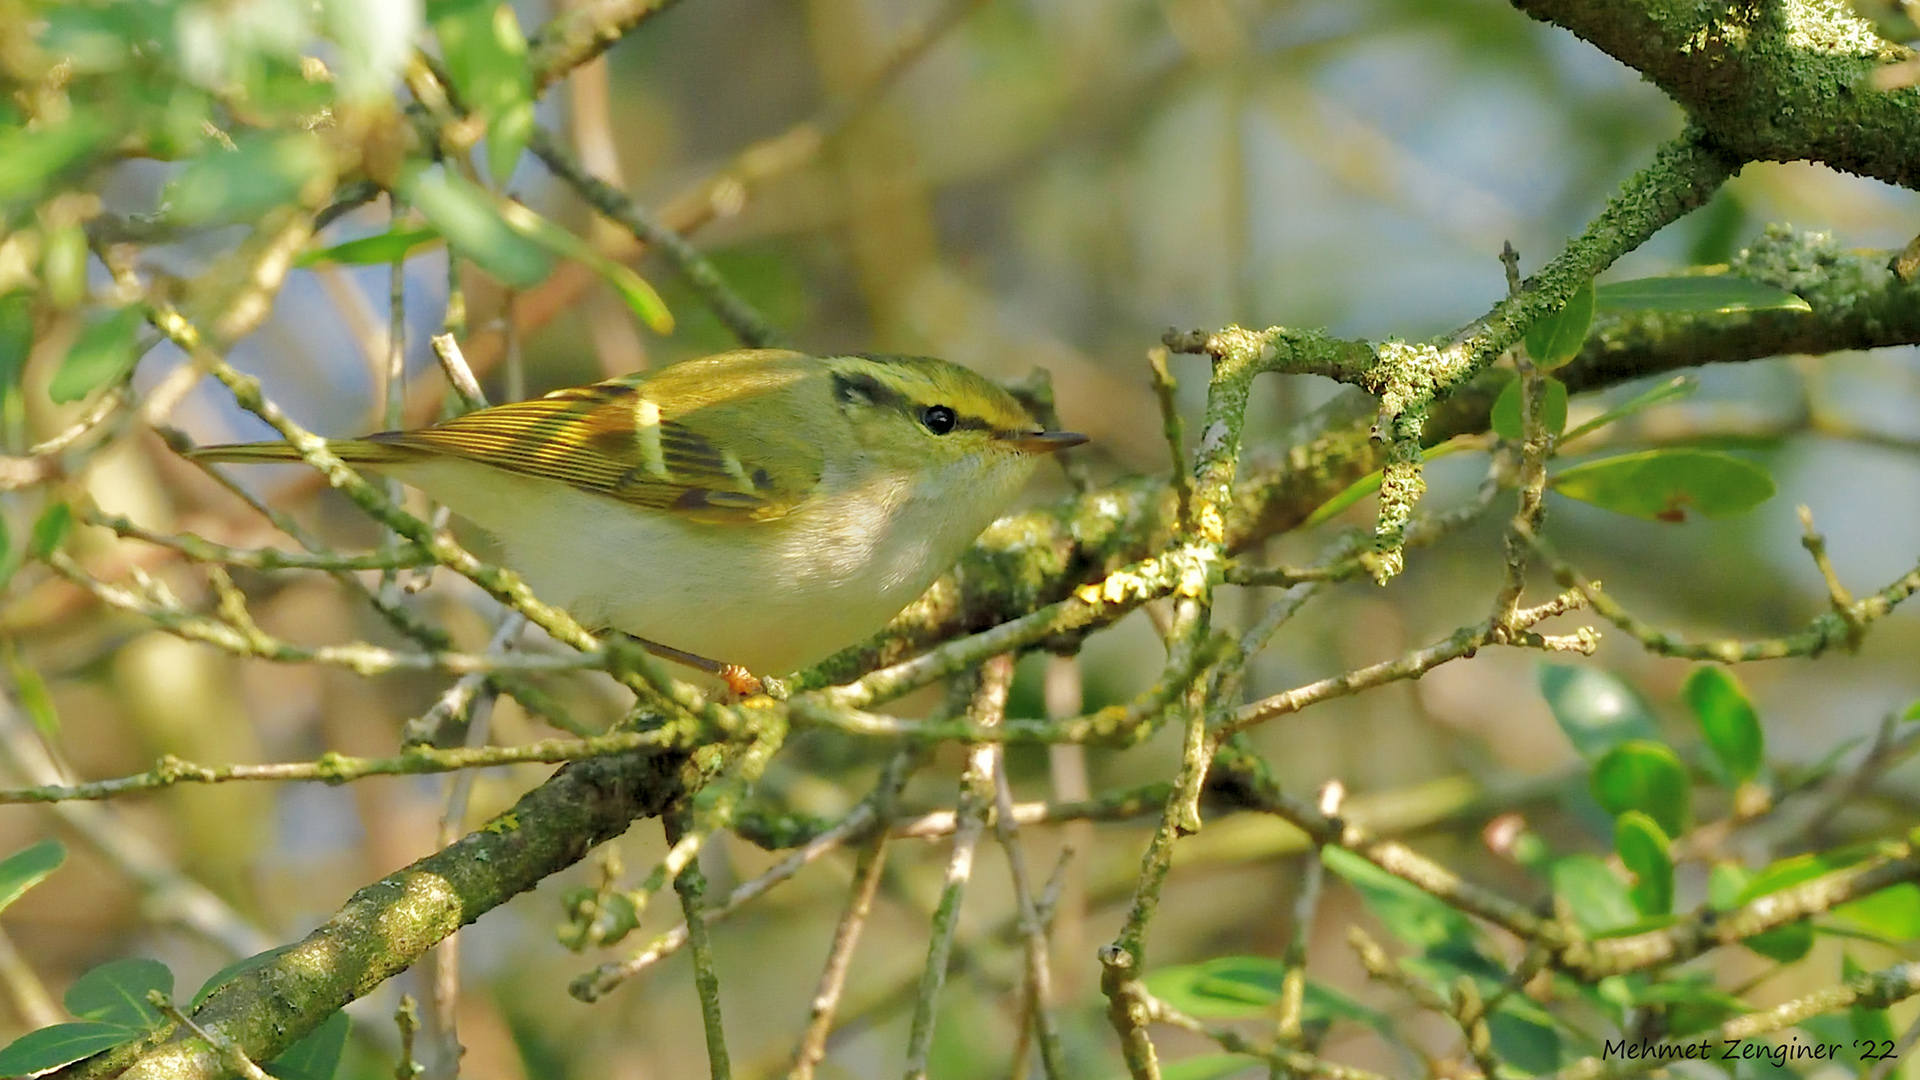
(741, 683)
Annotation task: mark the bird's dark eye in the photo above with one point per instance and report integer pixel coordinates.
(938, 418)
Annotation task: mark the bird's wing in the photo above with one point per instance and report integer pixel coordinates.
(611, 439)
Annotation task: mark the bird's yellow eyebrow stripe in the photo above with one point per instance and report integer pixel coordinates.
(646, 428)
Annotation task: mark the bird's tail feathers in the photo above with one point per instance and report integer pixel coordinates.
(351, 451)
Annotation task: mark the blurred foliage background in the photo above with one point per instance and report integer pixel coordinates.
(1050, 183)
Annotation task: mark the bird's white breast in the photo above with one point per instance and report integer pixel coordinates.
(806, 586)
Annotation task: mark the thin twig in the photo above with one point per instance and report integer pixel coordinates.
(1167, 390)
(976, 796)
(691, 885)
(231, 1057)
(700, 274)
(812, 1047)
(339, 768)
(1037, 993)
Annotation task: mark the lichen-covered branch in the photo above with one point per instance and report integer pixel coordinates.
(1781, 81)
(389, 925)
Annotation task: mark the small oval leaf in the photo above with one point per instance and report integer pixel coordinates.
(1592, 893)
(1662, 485)
(1696, 294)
(1370, 483)
(60, 1044)
(486, 51)
(1785, 944)
(386, 247)
(34, 696)
(472, 222)
(639, 296)
(30, 158)
(1727, 720)
(1596, 709)
(49, 530)
(116, 992)
(260, 173)
(28, 867)
(1643, 849)
(1505, 418)
(1209, 1067)
(1555, 339)
(1677, 387)
(317, 1055)
(1646, 776)
(1232, 987)
(104, 354)
(16, 337)
(1892, 914)
(1409, 912)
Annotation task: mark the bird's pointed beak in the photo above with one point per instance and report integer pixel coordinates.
(1044, 442)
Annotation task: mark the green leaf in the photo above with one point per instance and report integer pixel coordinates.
(1595, 709)
(1731, 886)
(633, 288)
(1725, 882)
(1696, 294)
(1642, 845)
(60, 1044)
(1646, 776)
(1785, 944)
(1799, 869)
(29, 159)
(116, 992)
(1718, 228)
(1661, 485)
(471, 221)
(1231, 987)
(1411, 913)
(219, 978)
(1593, 894)
(1872, 1026)
(1524, 1042)
(1692, 1002)
(104, 354)
(1913, 711)
(1727, 720)
(1506, 410)
(386, 247)
(34, 696)
(486, 53)
(49, 530)
(63, 265)
(1370, 483)
(1209, 1067)
(317, 1056)
(1555, 339)
(1891, 914)
(258, 174)
(28, 867)
(1677, 387)
(16, 336)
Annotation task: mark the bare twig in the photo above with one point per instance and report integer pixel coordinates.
(691, 885)
(812, 1047)
(1037, 993)
(976, 797)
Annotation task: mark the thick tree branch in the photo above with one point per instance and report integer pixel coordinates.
(1780, 81)
(387, 926)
